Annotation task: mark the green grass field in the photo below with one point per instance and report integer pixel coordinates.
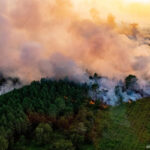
(129, 127)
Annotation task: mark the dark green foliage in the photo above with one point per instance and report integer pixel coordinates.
(61, 144)
(37, 111)
(130, 81)
(57, 115)
(43, 133)
(3, 143)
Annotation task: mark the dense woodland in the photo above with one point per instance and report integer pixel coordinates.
(60, 115)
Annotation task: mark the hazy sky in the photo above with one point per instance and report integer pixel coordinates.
(124, 10)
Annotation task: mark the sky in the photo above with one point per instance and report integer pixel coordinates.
(124, 10)
(59, 38)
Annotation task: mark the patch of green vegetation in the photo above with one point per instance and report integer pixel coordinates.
(120, 134)
(57, 115)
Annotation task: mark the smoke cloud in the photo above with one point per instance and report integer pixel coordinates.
(46, 38)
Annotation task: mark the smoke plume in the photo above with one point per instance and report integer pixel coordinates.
(46, 38)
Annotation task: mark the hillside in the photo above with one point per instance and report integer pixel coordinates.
(54, 115)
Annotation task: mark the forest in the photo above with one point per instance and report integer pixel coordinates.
(60, 115)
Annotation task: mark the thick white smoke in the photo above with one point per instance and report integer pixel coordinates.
(7, 84)
(113, 91)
